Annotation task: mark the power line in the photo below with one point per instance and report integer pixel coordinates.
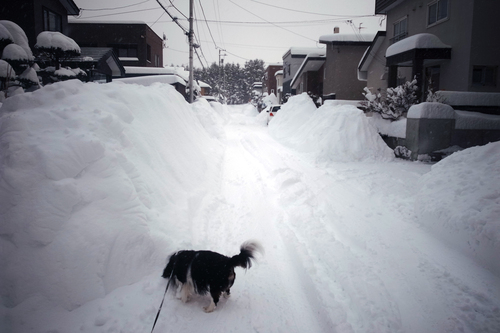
(172, 5)
(271, 22)
(210, 31)
(112, 14)
(99, 9)
(304, 12)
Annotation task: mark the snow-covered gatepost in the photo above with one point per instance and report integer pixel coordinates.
(429, 128)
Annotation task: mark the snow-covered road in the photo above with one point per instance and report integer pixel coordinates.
(344, 251)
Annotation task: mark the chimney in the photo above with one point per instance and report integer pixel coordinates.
(336, 30)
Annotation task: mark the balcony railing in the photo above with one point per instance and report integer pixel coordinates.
(399, 37)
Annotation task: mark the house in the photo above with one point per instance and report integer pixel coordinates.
(135, 43)
(292, 60)
(343, 53)
(447, 45)
(279, 84)
(310, 75)
(205, 88)
(35, 16)
(100, 63)
(269, 80)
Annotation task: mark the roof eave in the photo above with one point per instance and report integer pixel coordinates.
(71, 7)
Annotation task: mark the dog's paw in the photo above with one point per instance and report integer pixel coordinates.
(226, 295)
(210, 308)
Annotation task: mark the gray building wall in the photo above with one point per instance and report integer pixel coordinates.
(471, 30)
(341, 71)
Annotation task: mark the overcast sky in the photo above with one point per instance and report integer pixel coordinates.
(245, 29)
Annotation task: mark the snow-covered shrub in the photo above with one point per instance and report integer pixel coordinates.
(400, 99)
(374, 102)
(15, 51)
(396, 103)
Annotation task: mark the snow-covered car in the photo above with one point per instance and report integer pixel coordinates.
(271, 111)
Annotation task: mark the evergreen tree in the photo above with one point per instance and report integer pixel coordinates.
(231, 82)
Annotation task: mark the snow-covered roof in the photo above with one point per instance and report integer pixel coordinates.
(149, 70)
(418, 41)
(150, 79)
(347, 38)
(301, 51)
(55, 39)
(280, 72)
(204, 84)
(274, 64)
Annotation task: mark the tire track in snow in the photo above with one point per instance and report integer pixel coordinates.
(276, 294)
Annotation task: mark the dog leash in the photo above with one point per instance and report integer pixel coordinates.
(158, 314)
(164, 294)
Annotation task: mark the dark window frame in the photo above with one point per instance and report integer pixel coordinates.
(52, 21)
(400, 29)
(437, 11)
(484, 76)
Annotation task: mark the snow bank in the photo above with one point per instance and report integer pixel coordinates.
(330, 134)
(459, 201)
(95, 182)
(395, 129)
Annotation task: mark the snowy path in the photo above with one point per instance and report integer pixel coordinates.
(343, 252)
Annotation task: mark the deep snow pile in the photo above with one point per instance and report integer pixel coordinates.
(331, 133)
(459, 201)
(88, 173)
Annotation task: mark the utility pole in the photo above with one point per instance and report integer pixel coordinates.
(221, 69)
(191, 50)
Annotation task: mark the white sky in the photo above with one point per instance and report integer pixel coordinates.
(245, 29)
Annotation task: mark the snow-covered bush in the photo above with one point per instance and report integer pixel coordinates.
(17, 60)
(400, 99)
(396, 103)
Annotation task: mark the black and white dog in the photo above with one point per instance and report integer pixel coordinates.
(201, 272)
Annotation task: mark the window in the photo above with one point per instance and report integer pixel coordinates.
(437, 11)
(148, 47)
(400, 29)
(125, 50)
(51, 21)
(484, 76)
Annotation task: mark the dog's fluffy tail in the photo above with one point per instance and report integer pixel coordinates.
(247, 253)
